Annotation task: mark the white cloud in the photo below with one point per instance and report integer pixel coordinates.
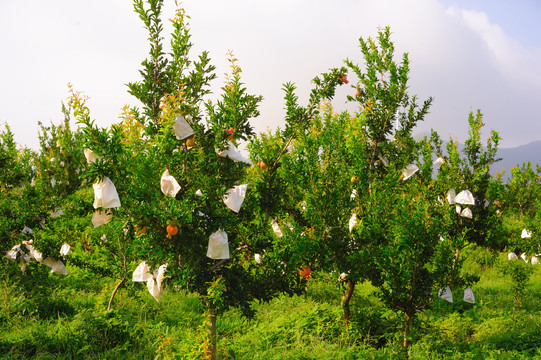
(460, 57)
(517, 64)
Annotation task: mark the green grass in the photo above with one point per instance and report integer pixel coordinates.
(72, 323)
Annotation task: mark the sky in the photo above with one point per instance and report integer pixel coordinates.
(467, 54)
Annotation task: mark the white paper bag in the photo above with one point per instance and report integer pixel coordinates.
(105, 195)
(465, 197)
(468, 295)
(159, 275)
(56, 266)
(65, 250)
(169, 184)
(451, 196)
(154, 284)
(101, 217)
(141, 273)
(154, 290)
(34, 253)
(352, 221)
(218, 245)
(37, 255)
(154, 281)
(512, 256)
(12, 254)
(181, 128)
(409, 171)
(90, 156)
(276, 228)
(233, 153)
(235, 197)
(59, 268)
(26, 258)
(56, 213)
(526, 234)
(446, 294)
(27, 231)
(466, 213)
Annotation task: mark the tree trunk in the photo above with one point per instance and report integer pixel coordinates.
(457, 254)
(345, 301)
(114, 292)
(212, 319)
(455, 259)
(405, 343)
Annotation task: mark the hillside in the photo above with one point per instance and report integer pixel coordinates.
(512, 157)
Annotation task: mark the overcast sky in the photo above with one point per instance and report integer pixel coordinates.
(467, 54)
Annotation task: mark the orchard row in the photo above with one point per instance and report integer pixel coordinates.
(352, 193)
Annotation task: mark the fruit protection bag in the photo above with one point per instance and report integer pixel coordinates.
(446, 294)
(276, 228)
(154, 281)
(512, 256)
(465, 197)
(409, 171)
(451, 195)
(233, 153)
(466, 212)
(90, 156)
(218, 245)
(468, 295)
(56, 266)
(525, 234)
(169, 184)
(101, 217)
(65, 250)
(352, 221)
(105, 195)
(235, 197)
(181, 128)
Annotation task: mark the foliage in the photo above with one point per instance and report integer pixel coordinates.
(307, 326)
(521, 205)
(329, 195)
(520, 273)
(21, 210)
(135, 153)
(471, 171)
(334, 169)
(19, 201)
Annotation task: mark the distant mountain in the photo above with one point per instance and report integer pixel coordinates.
(511, 157)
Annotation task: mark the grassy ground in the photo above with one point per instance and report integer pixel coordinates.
(72, 323)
